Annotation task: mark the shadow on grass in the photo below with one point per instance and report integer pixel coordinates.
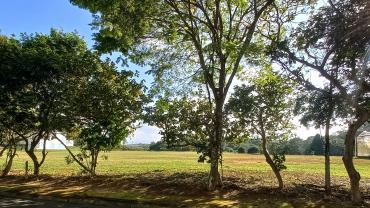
(178, 190)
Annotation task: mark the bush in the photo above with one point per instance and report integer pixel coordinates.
(241, 150)
(157, 146)
(253, 150)
(229, 149)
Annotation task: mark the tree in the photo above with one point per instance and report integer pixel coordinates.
(241, 150)
(333, 43)
(104, 105)
(295, 146)
(212, 40)
(253, 150)
(264, 108)
(320, 108)
(184, 122)
(34, 73)
(317, 146)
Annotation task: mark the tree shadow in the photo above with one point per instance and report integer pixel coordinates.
(180, 190)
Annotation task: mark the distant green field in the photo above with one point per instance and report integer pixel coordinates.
(130, 162)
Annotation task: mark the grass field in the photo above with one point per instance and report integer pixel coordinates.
(173, 178)
(128, 162)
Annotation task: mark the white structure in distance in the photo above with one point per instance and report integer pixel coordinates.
(363, 144)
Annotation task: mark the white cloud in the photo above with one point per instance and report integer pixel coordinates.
(145, 135)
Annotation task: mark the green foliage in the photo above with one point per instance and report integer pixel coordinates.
(104, 105)
(183, 122)
(278, 151)
(162, 146)
(264, 108)
(253, 150)
(317, 146)
(265, 105)
(53, 83)
(206, 43)
(295, 146)
(228, 149)
(241, 150)
(35, 79)
(279, 160)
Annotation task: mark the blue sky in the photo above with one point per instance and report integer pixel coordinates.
(17, 16)
(31, 16)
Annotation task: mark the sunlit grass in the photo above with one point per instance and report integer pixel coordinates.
(128, 162)
(174, 178)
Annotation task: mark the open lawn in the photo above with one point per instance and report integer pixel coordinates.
(130, 162)
(173, 178)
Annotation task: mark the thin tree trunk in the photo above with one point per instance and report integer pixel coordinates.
(30, 150)
(271, 162)
(9, 161)
(266, 152)
(31, 153)
(353, 174)
(36, 168)
(94, 161)
(327, 158)
(73, 156)
(327, 141)
(215, 179)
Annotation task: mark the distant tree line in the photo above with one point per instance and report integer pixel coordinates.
(313, 145)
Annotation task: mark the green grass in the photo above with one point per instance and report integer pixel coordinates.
(173, 178)
(129, 162)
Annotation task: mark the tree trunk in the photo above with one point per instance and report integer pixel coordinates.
(353, 174)
(36, 166)
(215, 179)
(94, 162)
(9, 161)
(271, 162)
(72, 155)
(327, 141)
(327, 158)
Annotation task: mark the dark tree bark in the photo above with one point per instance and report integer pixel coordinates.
(327, 158)
(9, 160)
(31, 153)
(271, 163)
(353, 174)
(36, 165)
(266, 153)
(331, 106)
(215, 179)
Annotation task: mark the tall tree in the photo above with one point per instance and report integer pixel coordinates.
(333, 43)
(319, 108)
(264, 109)
(214, 40)
(183, 122)
(34, 74)
(103, 104)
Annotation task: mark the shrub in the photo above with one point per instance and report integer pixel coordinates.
(241, 150)
(253, 150)
(229, 149)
